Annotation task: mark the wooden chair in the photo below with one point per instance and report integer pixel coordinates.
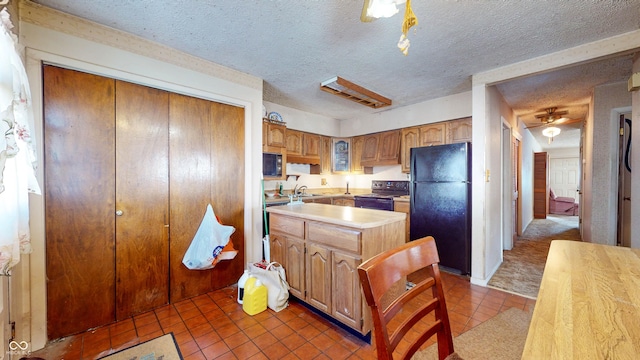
(379, 274)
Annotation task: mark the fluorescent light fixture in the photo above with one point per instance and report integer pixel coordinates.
(348, 90)
(374, 9)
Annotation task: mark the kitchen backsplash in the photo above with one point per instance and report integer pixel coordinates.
(356, 181)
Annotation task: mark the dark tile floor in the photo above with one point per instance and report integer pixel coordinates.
(214, 326)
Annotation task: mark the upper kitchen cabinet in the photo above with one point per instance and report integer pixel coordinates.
(302, 147)
(381, 149)
(418, 136)
(325, 157)
(432, 134)
(409, 140)
(459, 131)
(341, 154)
(274, 137)
(294, 142)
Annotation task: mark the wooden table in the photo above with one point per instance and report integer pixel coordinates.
(588, 306)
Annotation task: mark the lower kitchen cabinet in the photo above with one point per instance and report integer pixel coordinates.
(345, 282)
(344, 201)
(319, 277)
(404, 206)
(321, 260)
(295, 260)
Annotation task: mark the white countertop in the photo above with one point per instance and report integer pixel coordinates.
(339, 215)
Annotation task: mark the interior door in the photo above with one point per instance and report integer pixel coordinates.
(564, 176)
(142, 199)
(79, 147)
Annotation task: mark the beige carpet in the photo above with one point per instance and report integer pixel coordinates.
(522, 268)
(163, 347)
(501, 337)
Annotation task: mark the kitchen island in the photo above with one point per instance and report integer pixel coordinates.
(320, 246)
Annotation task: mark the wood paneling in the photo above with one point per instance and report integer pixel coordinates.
(79, 196)
(142, 232)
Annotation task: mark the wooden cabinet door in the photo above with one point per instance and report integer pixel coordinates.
(343, 202)
(409, 140)
(311, 145)
(357, 146)
(325, 155)
(319, 277)
(459, 131)
(142, 197)
(295, 269)
(370, 145)
(79, 173)
(389, 148)
(278, 248)
(433, 134)
(346, 302)
(403, 206)
(276, 135)
(294, 142)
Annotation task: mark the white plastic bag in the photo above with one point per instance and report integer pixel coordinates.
(205, 248)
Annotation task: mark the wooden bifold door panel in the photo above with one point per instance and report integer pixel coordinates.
(129, 171)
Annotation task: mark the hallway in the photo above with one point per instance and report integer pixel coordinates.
(522, 267)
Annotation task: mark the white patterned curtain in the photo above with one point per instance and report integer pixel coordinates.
(17, 155)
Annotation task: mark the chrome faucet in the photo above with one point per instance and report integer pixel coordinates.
(301, 190)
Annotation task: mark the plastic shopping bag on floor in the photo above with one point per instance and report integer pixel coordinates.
(210, 244)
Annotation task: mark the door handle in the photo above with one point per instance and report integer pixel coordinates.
(119, 212)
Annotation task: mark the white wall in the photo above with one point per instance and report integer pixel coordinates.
(600, 219)
(529, 147)
(441, 109)
(75, 43)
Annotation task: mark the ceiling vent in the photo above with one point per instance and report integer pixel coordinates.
(348, 90)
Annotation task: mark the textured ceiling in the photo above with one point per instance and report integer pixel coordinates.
(295, 45)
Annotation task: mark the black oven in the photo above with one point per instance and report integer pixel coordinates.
(374, 202)
(382, 194)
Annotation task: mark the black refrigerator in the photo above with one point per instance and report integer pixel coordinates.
(441, 201)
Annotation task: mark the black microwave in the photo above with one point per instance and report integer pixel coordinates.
(272, 165)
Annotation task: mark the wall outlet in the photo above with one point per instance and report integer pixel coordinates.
(323, 181)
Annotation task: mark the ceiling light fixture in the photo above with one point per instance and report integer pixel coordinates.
(550, 132)
(348, 90)
(375, 9)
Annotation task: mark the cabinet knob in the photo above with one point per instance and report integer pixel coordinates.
(119, 212)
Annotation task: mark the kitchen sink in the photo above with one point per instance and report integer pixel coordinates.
(308, 195)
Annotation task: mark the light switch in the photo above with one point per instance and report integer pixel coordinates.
(487, 175)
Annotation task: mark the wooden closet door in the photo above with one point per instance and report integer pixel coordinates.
(227, 185)
(190, 188)
(142, 197)
(79, 200)
(206, 154)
